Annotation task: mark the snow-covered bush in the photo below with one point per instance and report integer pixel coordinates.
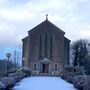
(18, 75)
(25, 70)
(69, 68)
(2, 86)
(13, 78)
(74, 75)
(68, 76)
(87, 83)
(68, 73)
(7, 82)
(79, 81)
(15, 75)
(70, 79)
(79, 70)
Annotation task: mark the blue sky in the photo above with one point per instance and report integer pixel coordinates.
(19, 16)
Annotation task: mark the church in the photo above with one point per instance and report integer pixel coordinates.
(45, 49)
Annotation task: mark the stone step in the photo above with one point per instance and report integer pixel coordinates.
(44, 74)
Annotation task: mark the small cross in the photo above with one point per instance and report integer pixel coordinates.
(46, 16)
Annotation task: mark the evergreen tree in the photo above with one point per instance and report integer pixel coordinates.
(80, 52)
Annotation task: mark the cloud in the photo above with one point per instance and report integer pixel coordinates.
(17, 17)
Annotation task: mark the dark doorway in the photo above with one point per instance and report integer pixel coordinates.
(45, 68)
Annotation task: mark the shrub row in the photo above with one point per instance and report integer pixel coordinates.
(8, 82)
(76, 77)
(87, 83)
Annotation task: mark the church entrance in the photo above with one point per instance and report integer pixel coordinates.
(45, 65)
(45, 68)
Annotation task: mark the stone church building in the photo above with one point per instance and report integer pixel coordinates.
(45, 49)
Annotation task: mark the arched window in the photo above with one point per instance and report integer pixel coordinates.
(51, 45)
(40, 46)
(56, 67)
(45, 49)
(34, 66)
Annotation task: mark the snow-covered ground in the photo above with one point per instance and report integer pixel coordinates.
(43, 83)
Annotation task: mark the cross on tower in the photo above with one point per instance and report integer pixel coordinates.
(46, 16)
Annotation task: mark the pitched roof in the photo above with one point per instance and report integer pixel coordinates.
(66, 39)
(46, 25)
(25, 38)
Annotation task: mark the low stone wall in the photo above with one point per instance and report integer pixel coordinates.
(8, 82)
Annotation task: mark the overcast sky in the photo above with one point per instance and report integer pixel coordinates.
(19, 16)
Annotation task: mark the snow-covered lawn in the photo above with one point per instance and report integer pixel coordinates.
(43, 83)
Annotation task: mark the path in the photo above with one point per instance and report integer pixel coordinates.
(43, 83)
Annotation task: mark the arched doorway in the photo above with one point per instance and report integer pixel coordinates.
(45, 65)
(45, 68)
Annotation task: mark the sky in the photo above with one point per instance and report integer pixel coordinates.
(19, 16)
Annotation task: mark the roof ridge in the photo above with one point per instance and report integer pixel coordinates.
(46, 21)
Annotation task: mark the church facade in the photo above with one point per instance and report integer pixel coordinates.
(45, 49)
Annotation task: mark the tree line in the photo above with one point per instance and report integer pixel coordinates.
(10, 64)
(80, 53)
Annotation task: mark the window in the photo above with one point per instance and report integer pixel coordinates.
(56, 66)
(40, 46)
(23, 61)
(34, 66)
(51, 46)
(45, 49)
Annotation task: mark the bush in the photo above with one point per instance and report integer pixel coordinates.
(2, 86)
(87, 83)
(79, 81)
(8, 82)
(68, 76)
(25, 70)
(74, 75)
(70, 79)
(68, 73)
(68, 68)
(79, 70)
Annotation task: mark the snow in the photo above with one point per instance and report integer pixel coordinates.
(43, 83)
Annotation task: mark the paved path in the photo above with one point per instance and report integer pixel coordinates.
(43, 83)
